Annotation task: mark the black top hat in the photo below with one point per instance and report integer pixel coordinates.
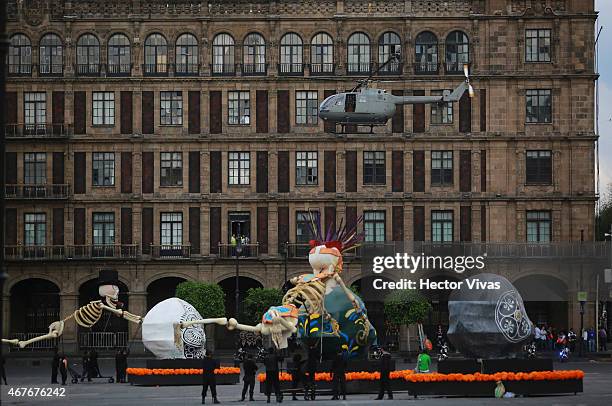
(108, 276)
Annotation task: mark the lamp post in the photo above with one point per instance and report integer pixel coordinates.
(581, 325)
(285, 255)
(237, 297)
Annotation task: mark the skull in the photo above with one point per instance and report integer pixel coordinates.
(111, 295)
(279, 324)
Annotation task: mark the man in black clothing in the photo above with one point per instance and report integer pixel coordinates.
(271, 364)
(250, 368)
(54, 366)
(208, 377)
(63, 368)
(339, 370)
(297, 375)
(85, 367)
(2, 370)
(385, 382)
(93, 370)
(312, 365)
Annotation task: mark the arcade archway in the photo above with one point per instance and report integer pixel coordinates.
(35, 303)
(374, 301)
(162, 289)
(545, 299)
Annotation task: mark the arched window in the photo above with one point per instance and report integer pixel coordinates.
(156, 55)
(20, 55)
(426, 53)
(358, 53)
(254, 55)
(187, 55)
(322, 54)
(223, 55)
(389, 44)
(119, 59)
(457, 51)
(88, 55)
(291, 55)
(51, 55)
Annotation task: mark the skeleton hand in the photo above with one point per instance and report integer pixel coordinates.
(279, 326)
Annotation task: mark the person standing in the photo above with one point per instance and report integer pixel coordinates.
(63, 368)
(385, 381)
(93, 370)
(54, 366)
(423, 363)
(124, 365)
(249, 367)
(538, 336)
(297, 375)
(85, 372)
(271, 364)
(118, 366)
(592, 340)
(208, 377)
(2, 370)
(312, 364)
(571, 339)
(585, 340)
(603, 338)
(339, 371)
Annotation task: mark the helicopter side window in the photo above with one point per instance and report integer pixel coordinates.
(350, 103)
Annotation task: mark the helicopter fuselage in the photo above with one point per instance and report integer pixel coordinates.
(366, 106)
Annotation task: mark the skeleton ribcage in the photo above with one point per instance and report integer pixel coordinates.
(89, 314)
(309, 294)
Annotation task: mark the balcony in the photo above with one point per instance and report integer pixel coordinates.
(393, 68)
(118, 70)
(53, 191)
(223, 69)
(155, 69)
(171, 251)
(426, 68)
(54, 69)
(291, 69)
(186, 69)
(21, 131)
(254, 69)
(322, 69)
(20, 69)
(87, 69)
(248, 251)
(454, 68)
(364, 68)
(70, 252)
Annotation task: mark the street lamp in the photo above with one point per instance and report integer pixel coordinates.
(285, 255)
(238, 252)
(582, 299)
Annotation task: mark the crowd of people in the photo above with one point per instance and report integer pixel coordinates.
(547, 338)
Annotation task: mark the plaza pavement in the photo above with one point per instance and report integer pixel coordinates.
(597, 391)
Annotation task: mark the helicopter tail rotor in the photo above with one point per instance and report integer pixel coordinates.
(466, 72)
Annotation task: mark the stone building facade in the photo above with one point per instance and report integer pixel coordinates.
(144, 134)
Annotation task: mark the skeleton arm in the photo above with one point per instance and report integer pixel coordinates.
(123, 314)
(222, 321)
(55, 330)
(349, 294)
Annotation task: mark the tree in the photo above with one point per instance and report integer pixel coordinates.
(207, 298)
(604, 215)
(258, 301)
(405, 307)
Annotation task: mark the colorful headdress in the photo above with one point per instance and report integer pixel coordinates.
(344, 237)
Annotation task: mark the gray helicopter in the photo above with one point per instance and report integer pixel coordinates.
(371, 107)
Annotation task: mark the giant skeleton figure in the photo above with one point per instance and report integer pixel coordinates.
(89, 314)
(319, 305)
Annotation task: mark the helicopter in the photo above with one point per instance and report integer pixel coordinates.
(368, 106)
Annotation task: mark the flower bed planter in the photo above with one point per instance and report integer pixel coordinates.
(180, 380)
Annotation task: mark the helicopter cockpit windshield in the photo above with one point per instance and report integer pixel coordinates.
(333, 100)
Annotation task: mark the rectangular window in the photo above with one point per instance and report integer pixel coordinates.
(537, 45)
(171, 229)
(239, 168)
(306, 168)
(539, 106)
(441, 168)
(239, 108)
(171, 108)
(374, 226)
(103, 229)
(374, 172)
(103, 173)
(306, 107)
(538, 168)
(35, 229)
(538, 226)
(441, 226)
(34, 168)
(441, 113)
(171, 167)
(303, 233)
(103, 108)
(35, 110)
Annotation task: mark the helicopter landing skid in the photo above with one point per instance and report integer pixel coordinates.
(343, 129)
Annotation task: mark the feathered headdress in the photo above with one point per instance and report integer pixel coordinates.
(344, 237)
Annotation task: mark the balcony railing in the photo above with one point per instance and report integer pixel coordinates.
(103, 340)
(171, 251)
(322, 69)
(393, 68)
(87, 69)
(291, 69)
(248, 251)
(44, 345)
(61, 191)
(155, 69)
(254, 69)
(454, 68)
(16, 69)
(38, 130)
(68, 252)
(186, 69)
(114, 69)
(363, 68)
(426, 68)
(51, 69)
(223, 69)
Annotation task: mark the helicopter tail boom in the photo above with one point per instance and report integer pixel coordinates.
(447, 97)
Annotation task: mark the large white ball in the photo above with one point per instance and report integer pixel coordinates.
(158, 330)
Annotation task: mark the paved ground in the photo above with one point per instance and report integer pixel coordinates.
(597, 391)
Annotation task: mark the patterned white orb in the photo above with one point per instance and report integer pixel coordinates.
(158, 330)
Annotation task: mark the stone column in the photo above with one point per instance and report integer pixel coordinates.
(205, 228)
(138, 306)
(273, 229)
(68, 304)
